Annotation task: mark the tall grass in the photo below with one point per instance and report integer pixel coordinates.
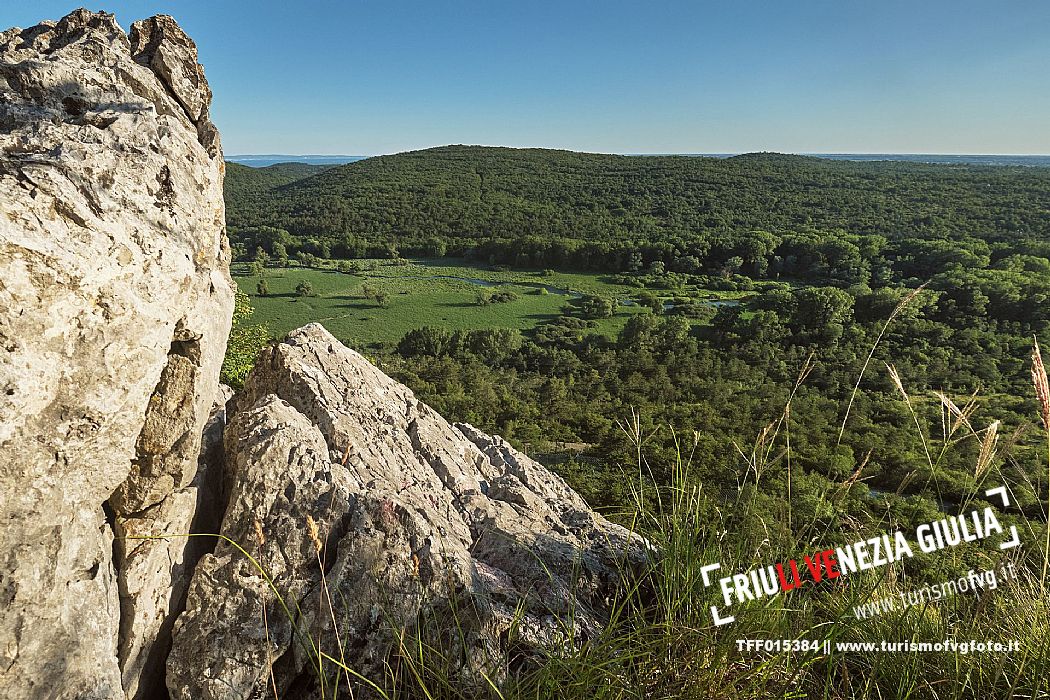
(1042, 392)
(659, 641)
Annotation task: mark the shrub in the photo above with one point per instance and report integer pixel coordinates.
(244, 344)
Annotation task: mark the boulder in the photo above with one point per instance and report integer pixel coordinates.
(115, 306)
(364, 512)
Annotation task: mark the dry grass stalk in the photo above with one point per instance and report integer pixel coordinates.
(1042, 392)
(988, 445)
(803, 375)
(906, 481)
(908, 298)
(855, 476)
(961, 415)
(259, 536)
(313, 533)
(911, 409)
(1042, 388)
(897, 381)
(760, 451)
(269, 653)
(260, 539)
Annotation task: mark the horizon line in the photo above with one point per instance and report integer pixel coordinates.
(645, 153)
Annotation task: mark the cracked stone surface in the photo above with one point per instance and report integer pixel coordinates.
(115, 305)
(157, 551)
(417, 517)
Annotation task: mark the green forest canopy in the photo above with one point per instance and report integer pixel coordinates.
(546, 208)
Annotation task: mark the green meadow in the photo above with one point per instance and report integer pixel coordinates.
(421, 293)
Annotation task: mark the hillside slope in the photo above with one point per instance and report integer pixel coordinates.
(244, 181)
(463, 194)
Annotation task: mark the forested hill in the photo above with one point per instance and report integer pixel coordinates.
(244, 183)
(456, 197)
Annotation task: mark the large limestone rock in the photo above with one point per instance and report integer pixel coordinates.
(416, 519)
(115, 304)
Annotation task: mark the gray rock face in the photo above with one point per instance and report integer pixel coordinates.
(415, 518)
(115, 304)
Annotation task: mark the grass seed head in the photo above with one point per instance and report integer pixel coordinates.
(897, 380)
(1042, 387)
(988, 445)
(314, 533)
(962, 415)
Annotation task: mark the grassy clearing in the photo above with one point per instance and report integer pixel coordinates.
(419, 294)
(579, 282)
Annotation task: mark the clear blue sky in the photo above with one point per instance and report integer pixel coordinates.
(379, 76)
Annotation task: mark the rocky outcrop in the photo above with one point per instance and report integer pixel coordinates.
(115, 304)
(350, 512)
(366, 513)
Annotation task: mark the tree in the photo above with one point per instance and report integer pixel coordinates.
(502, 296)
(262, 257)
(634, 261)
(594, 307)
(819, 307)
(638, 331)
(379, 296)
(689, 264)
(262, 288)
(435, 247)
(732, 266)
(651, 302)
(726, 322)
(255, 269)
(427, 340)
(304, 289)
(493, 344)
(280, 253)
